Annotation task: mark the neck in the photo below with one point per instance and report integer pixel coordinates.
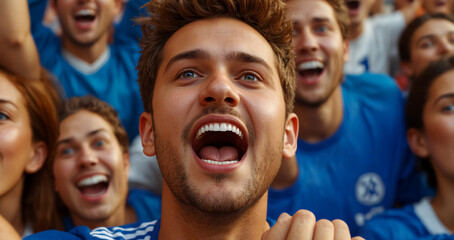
(317, 124)
(11, 209)
(181, 221)
(124, 215)
(287, 174)
(354, 31)
(442, 203)
(88, 53)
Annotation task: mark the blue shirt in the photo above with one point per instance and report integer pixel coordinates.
(363, 168)
(146, 205)
(416, 221)
(114, 81)
(136, 231)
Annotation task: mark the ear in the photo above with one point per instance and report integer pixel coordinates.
(290, 136)
(406, 68)
(146, 134)
(119, 6)
(417, 142)
(37, 159)
(346, 51)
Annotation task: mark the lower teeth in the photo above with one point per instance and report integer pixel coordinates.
(219, 163)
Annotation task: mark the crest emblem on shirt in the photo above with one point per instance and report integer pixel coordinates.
(370, 189)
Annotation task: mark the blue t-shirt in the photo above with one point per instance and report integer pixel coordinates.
(140, 230)
(135, 231)
(417, 221)
(113, 81)
(363, 168)
(146, 205)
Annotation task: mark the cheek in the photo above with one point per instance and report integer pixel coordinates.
(62, 172)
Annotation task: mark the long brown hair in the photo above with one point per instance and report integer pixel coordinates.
(41, 101)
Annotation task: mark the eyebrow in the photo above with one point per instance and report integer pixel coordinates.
(4, 101)
(247, 58)
(192, 54)
(447, 95)
(320, 19)
(231, 56)
(70, 139)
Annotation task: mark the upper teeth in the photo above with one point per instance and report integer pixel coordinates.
(85, 12)
(92, 180)
(310, 65)
(219, 127)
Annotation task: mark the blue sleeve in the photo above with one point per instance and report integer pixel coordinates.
(52, 234)
(127, 30)
(37, 9)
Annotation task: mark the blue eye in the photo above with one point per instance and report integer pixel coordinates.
(448, 108)
(250, 77)
(322, 29)
(188, 74)
(3, 116)
(99, 143)
(67, 151)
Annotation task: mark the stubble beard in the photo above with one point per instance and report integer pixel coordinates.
(217, 203)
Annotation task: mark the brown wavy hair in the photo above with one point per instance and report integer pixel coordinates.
(41, 101)
(165, 17)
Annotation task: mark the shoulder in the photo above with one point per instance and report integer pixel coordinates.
(372, 84)
(394, 224)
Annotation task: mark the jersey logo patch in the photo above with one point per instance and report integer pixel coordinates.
(370, 189)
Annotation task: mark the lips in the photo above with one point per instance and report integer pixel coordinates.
(220, 141)
(93, 186)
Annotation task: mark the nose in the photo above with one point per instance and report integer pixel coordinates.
(305, 41)
(446, 47)
(87, 158)
(219, 90)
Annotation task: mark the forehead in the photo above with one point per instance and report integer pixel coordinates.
(436, 27)
(79, 124)
(9, 92)
(305, 11)
(442, 84)
(218, 37)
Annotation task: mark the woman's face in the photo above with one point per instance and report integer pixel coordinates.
(433, 40)
(16, 147)
(438, 133)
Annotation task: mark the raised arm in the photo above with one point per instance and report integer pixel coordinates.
(18, 51)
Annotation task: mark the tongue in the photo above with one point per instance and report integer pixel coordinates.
(309, 75)
(94, 189)
(226, 153)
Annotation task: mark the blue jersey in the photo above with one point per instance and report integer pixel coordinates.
(113, 80)
(146, 205)
(363, 168)
(135, 231)
(417, 221)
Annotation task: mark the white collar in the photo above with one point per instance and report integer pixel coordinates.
(428, 217)
(83, 66)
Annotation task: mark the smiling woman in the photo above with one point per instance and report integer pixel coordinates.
(28, 129)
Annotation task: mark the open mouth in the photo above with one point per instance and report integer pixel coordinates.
(93, 186)
(220, 143)
(85, 16)
(311, 69)
(352, 4)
